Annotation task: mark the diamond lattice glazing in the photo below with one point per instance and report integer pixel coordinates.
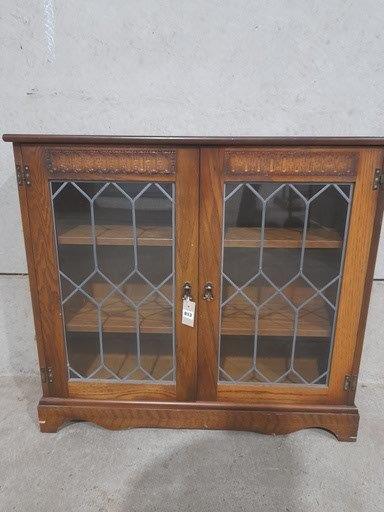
(115, 245)
(283, 250)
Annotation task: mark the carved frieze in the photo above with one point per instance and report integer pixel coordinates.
(289, 162)
(72, 161)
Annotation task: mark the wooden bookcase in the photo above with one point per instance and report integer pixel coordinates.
(274, 239)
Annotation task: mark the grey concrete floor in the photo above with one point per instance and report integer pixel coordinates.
(86, 468)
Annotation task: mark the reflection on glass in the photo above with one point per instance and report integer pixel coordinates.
(115, 244)
(283, 248)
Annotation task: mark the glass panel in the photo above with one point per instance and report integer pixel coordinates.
(283, 250)
(115, 246)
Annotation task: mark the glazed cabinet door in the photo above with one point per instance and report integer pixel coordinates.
(114, 240)
(284, 248)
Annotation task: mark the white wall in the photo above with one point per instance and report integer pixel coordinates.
(181, 67)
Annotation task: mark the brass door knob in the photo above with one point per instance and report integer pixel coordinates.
(187, 291)
(208, 291)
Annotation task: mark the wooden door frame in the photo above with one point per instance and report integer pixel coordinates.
(352, 165)
(106, 163)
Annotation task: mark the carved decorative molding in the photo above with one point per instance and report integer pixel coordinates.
(66, 161)
(290, 162)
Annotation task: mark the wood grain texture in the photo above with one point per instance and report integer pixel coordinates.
(65, 162)
(236, 362)
(378, 160)
(256, 407)
(119, 391)
(277, 238)
(276, 318)
(161, 236)
(117, 314)
(25, 219)
(343, 423)
(186, 264)
(307, 162)
(362, 221)
(288, 394)
(211, 223)
(120, 357)
(118, 234)
(356, 266)
(46, 285)
(238, 317)
(194, 141)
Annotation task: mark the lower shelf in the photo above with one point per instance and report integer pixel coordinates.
(273, 360)
(342, 421)
(120, 356)
(156, 359)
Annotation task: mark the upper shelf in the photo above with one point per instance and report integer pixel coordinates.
(117, 234)
(290, 238)
(161, 236)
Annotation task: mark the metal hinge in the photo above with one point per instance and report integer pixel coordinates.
(23, 175)
(378, 179)
(350, 382)
(46, 375)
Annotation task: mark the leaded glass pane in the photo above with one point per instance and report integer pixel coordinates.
(283, 250)
(115, 246)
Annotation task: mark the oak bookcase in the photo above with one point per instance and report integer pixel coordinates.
(274, 239)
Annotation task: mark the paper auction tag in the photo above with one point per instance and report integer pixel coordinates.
(188, 313)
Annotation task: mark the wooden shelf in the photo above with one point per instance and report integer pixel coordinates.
(155, 315)
(273, 360)
(120, 357)
(289, 238)
(117, 234)
(273, 368)
(276, 317)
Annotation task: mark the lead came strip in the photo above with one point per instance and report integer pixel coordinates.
(112, 309)
(280, 308)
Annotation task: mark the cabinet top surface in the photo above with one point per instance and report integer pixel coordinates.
(193, 141)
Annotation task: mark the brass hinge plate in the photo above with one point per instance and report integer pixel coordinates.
(23, 175)
(46, 375)
(378, 179)
(350, 382)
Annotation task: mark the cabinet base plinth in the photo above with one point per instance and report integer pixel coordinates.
(342, 421)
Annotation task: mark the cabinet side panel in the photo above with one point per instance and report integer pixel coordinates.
(46, 285)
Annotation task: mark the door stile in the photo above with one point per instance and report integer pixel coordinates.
(369, 278)
(211, 225)
(45, 281)
(356, 272)
(186, 264)
(25, 219)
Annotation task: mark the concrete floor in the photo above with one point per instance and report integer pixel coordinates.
(86, 468)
